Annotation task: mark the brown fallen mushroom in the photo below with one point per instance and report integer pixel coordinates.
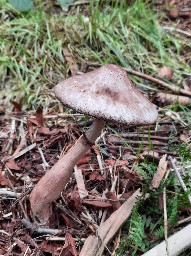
(106, 94)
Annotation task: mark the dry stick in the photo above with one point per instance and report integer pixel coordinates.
(165, 221)
(184, 220)
(95, 244)
(174, 29)
(23, 139)
(11, 136)
(143, 149)
(179, 177)
(112, 190)
(143, 135)
(6, 192)
(22, 152)
(177, 243)
(158, 81)
(20, 203)
(150, 78)
(80, 182)
(41, 230)
(161, 170)
(156, 143)
(58, 238)
(45, 164)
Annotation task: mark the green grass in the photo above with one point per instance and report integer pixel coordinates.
(31, 45)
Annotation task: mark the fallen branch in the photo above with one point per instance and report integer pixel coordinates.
(34, 228)
(158, 81)
(177, 243)
(150, 78)
(95, 244)
(167, 98)
(179, 176)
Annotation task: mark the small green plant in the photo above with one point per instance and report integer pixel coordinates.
(146, 170)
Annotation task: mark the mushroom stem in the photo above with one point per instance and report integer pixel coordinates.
(53, 182)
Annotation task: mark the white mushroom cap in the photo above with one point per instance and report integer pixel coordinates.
(107, 93)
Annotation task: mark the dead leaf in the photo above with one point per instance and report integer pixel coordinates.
(161, 170)
(96, 176)
(110, 162)
(132, 176)
(70, 245)
(96, 203)
(17, 106)
(51, 248)
(68, 221)
(165, 72)
(11, 164)
(75, 201)
(85, 160)
(70, 61)
(96, 150)
(39, 116)
(173, 13)
(23, 247)
(160, 202)
(115, 202)
(47, 131)
(3, 180)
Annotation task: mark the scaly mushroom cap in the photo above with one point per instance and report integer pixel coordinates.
(107, 93)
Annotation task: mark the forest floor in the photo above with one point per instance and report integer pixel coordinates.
(48, 44)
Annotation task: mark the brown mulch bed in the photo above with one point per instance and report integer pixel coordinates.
(30, 144)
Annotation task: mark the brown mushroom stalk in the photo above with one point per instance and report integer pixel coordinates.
(106, 94)
(53, 182)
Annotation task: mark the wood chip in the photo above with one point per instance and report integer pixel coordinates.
(161, 170)
(95, 244)
(80, 182)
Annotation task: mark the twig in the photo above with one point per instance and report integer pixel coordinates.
(179, 176)
(100, 164)
(177, 243)
(68, 212)
(177, 30)
(20, 203)
(11, 136)
(165, 221)
(104, 213)
(158, 81)
(45, 164)
(89, 218)
(161, 170)
(143, 135)
(22, 152)
(150, 78)
(176, 117)
(184, 220)
(80, 182)
(41, 230)
(156, 143)
(112, 190)
(95, 244)
(6, 192)
(23, 140)
(58, 238)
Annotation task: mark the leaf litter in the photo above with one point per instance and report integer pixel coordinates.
(80, 209)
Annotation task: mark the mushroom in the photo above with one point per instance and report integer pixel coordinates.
(106, 94)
